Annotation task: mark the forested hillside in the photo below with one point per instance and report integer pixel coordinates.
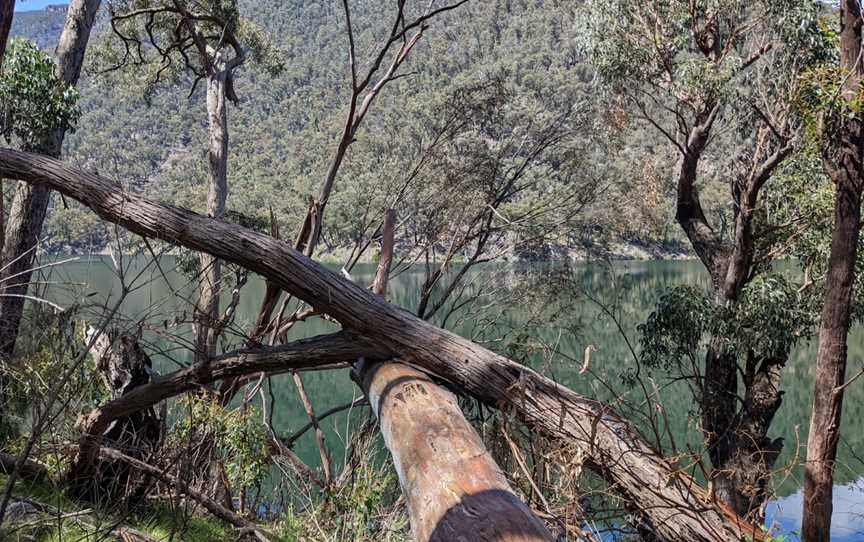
(41, 26)
(284, 130)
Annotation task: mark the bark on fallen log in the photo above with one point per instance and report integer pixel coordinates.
(451, 484)
(674, 506)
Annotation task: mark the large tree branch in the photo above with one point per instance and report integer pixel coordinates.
(689, 213)
(671, 502)
(313, 352)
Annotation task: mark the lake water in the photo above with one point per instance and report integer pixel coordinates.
(162, 294)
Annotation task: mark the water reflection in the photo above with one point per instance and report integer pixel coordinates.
(164, 294)
(847, 519)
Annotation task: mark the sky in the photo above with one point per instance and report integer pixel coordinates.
(30, 5)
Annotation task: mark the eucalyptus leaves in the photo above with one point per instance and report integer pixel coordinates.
(34, 102)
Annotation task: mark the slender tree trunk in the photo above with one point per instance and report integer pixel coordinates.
(843, 160)
(831, 365)
(30, 202)
(7, 8)
(217, 193)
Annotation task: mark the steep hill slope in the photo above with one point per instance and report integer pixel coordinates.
(284, 133)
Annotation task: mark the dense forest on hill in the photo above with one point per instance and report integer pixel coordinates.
(284, 120)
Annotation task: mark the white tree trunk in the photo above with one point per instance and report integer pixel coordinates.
(217, 193)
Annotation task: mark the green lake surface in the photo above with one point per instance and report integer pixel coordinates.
(163, 295)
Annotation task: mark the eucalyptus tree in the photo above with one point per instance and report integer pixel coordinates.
(833, 95)
(34, 101)
(718, 80)
(169, 41)
(30, 203)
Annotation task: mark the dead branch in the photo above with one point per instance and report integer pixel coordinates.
(217, 510)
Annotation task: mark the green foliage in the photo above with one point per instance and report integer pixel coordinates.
(164, 523)
(33, 100)
(802, 198)
(260, 46)
(46, 347)
(365, 497)
(283, 135)
(361, 511)
(151, 45)
(802, 195)
(768, 319)
(653, 43)
(86, 524)
(674, 331)
(239, 434)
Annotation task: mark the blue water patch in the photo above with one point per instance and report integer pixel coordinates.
(783, 516)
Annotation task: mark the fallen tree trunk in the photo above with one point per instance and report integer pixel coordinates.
(453, 487)
(674, 506)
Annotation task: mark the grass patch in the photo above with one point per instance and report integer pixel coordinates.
(80, 522)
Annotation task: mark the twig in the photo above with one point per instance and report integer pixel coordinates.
(214, 508)
(291, 439)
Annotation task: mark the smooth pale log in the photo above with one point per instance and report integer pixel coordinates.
(671, 503)
(453, 487)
